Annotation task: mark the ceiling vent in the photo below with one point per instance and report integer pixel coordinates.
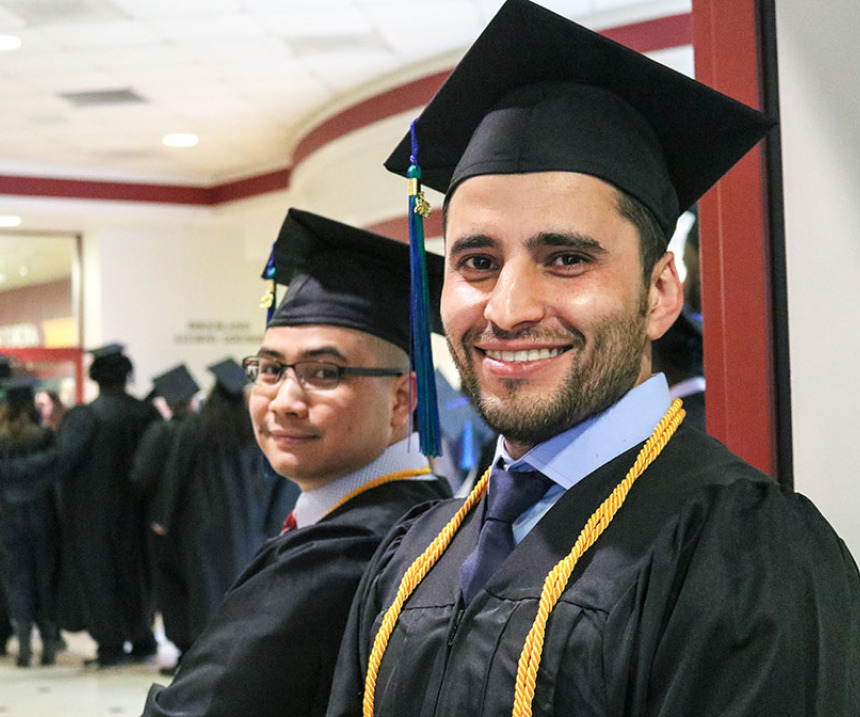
(102, 98)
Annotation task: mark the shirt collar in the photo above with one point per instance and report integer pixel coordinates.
(312, 505)
(688, 387)
(570, 456)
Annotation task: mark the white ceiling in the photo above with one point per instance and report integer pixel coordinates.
(246, 76)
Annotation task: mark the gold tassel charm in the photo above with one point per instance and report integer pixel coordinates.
(268, 299)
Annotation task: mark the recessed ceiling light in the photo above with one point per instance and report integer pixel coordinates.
(9, 220)
(24, 270)
(9, 42)
(180, 139)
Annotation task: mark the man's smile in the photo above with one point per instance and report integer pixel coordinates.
(523, 355)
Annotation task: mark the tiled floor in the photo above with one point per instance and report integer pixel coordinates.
(70, 690)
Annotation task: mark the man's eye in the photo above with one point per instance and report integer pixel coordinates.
(568, 260)
(478, 263)
(269, 370)
(320, 372)
(325, 373)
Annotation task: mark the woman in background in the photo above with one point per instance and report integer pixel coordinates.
(29, 530)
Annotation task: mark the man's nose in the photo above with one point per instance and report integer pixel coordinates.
(290, 396)
(515, 300)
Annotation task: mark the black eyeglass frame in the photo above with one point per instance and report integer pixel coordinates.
(341, 371)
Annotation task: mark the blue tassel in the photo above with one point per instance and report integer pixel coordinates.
(269, 301)
(429, 431)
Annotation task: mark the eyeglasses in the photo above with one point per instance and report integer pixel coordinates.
(314, 375)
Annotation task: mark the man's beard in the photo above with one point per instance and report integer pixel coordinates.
(595, 381)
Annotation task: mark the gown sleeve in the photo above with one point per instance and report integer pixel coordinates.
(751, 616)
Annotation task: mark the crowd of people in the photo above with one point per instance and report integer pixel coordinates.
(613, 559)
(113, 511)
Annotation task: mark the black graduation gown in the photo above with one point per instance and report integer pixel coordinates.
(147, 477)
(30, 540)
(713, 592)
(214, 507)
(103, 524)
(270, 650)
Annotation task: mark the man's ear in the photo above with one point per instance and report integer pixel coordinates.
(665, 297)
(405, 398)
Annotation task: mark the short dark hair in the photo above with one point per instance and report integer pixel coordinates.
(652, 240)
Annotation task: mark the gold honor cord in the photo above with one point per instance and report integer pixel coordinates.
(387, 478)
(554, 584)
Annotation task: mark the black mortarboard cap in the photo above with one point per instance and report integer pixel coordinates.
(340, 275)
(107, 351)
(176, 385)
(537, 92)
(230, 375)
(20, 391)
(110, 364)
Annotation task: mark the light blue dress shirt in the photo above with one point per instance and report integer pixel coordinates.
(570, 456)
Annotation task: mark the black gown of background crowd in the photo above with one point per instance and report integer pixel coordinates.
(217, 502)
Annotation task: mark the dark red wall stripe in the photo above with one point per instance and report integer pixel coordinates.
(111, 191)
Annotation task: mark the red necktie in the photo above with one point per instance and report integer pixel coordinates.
(289, 523)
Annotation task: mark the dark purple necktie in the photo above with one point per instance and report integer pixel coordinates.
(510, 494)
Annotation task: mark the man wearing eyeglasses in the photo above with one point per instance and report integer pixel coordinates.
(331, 400)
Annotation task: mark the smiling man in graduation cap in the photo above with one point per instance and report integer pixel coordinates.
(331, 397)
(621, 562)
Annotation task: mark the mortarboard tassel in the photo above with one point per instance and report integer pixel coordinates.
(269, 300)
(422, 354)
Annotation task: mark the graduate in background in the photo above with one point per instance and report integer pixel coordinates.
(331, 398)
(29, 529)
(104, 585)
(177, 390)
(621, 562)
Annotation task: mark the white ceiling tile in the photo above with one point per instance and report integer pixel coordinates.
(9, 21)
(445, 26)
(345, 70)
(134, 57)
(26, 66)
(263, 7)
(197, 27)
(317, 21)
(242, 53)
(148, 9)
(93, 35)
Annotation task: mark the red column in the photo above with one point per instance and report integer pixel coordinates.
(735, 249)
